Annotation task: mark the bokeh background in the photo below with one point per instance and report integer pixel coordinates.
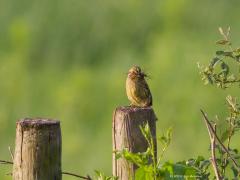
(68, 60)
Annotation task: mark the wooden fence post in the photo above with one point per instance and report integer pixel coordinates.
(127, 134)
(37, 150)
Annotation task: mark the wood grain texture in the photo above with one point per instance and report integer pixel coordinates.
(37, 150)
(127, 134)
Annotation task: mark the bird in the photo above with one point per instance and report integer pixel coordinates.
(137, 88)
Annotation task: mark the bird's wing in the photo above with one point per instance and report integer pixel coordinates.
(145, 92)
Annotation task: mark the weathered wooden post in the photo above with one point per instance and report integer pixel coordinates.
(127, 134)
(37, 150)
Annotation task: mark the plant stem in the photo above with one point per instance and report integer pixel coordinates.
(153, 156)
(161, 155)
(228, 143)
(213, 159)
(213, 147)
(78, 176)
(209, 126)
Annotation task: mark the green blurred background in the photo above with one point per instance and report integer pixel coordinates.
(68, 60)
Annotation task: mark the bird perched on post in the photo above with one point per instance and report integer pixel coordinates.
(137, 88)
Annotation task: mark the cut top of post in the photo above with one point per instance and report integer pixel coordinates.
(37, 122)
(136, 110)
(133, 109)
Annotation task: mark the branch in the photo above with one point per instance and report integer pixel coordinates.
(5, 162)
(210, 128)
(66, 173)
(78, 176)
(213, 147)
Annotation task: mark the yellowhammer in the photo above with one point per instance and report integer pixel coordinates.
(137, 88)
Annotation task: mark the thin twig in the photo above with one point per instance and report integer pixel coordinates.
(78, 176)
(9, 148)
(9, 174)
(209, 125)
(5, 162)
(66, 173)
(213, 147)
(228, 142)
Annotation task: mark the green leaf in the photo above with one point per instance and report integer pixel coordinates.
(225, 69)
(222, 42)
(118, 155)
(219, 53)
(198, 160)
(213, 62)
(177, 170)
(102, 176)
(146, 131)
(144, 173)
(169, 133)
(163, 139)
(204, 164)
(140, 159)
(166, 139)
(235, 172)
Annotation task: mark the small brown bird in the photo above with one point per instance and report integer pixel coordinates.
(137, 88)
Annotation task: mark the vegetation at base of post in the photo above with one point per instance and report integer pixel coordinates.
(101, 176)
(152, 168)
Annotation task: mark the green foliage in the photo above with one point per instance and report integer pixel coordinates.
(233, 121)
(151, 168)
(102, 176)
(165, 142)
(224, 71)
(218, 71)
(200, 164)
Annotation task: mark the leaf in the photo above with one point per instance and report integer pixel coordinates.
(225, 68)
(204, 164)
(146, 131)
(219, 53)
(208, 80)
(237, 50)
(144, 173)
(198, 160)
(171, 170)
(140, 159)
(228, 54)
(140, 174)
(232, 102)
(235, 171)
(221, 31)
(169, 133)
(222, 42)
(102, 176)
(166, 139)
(163, 140)
(190, 162)
(232, 77)
(228, 30)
